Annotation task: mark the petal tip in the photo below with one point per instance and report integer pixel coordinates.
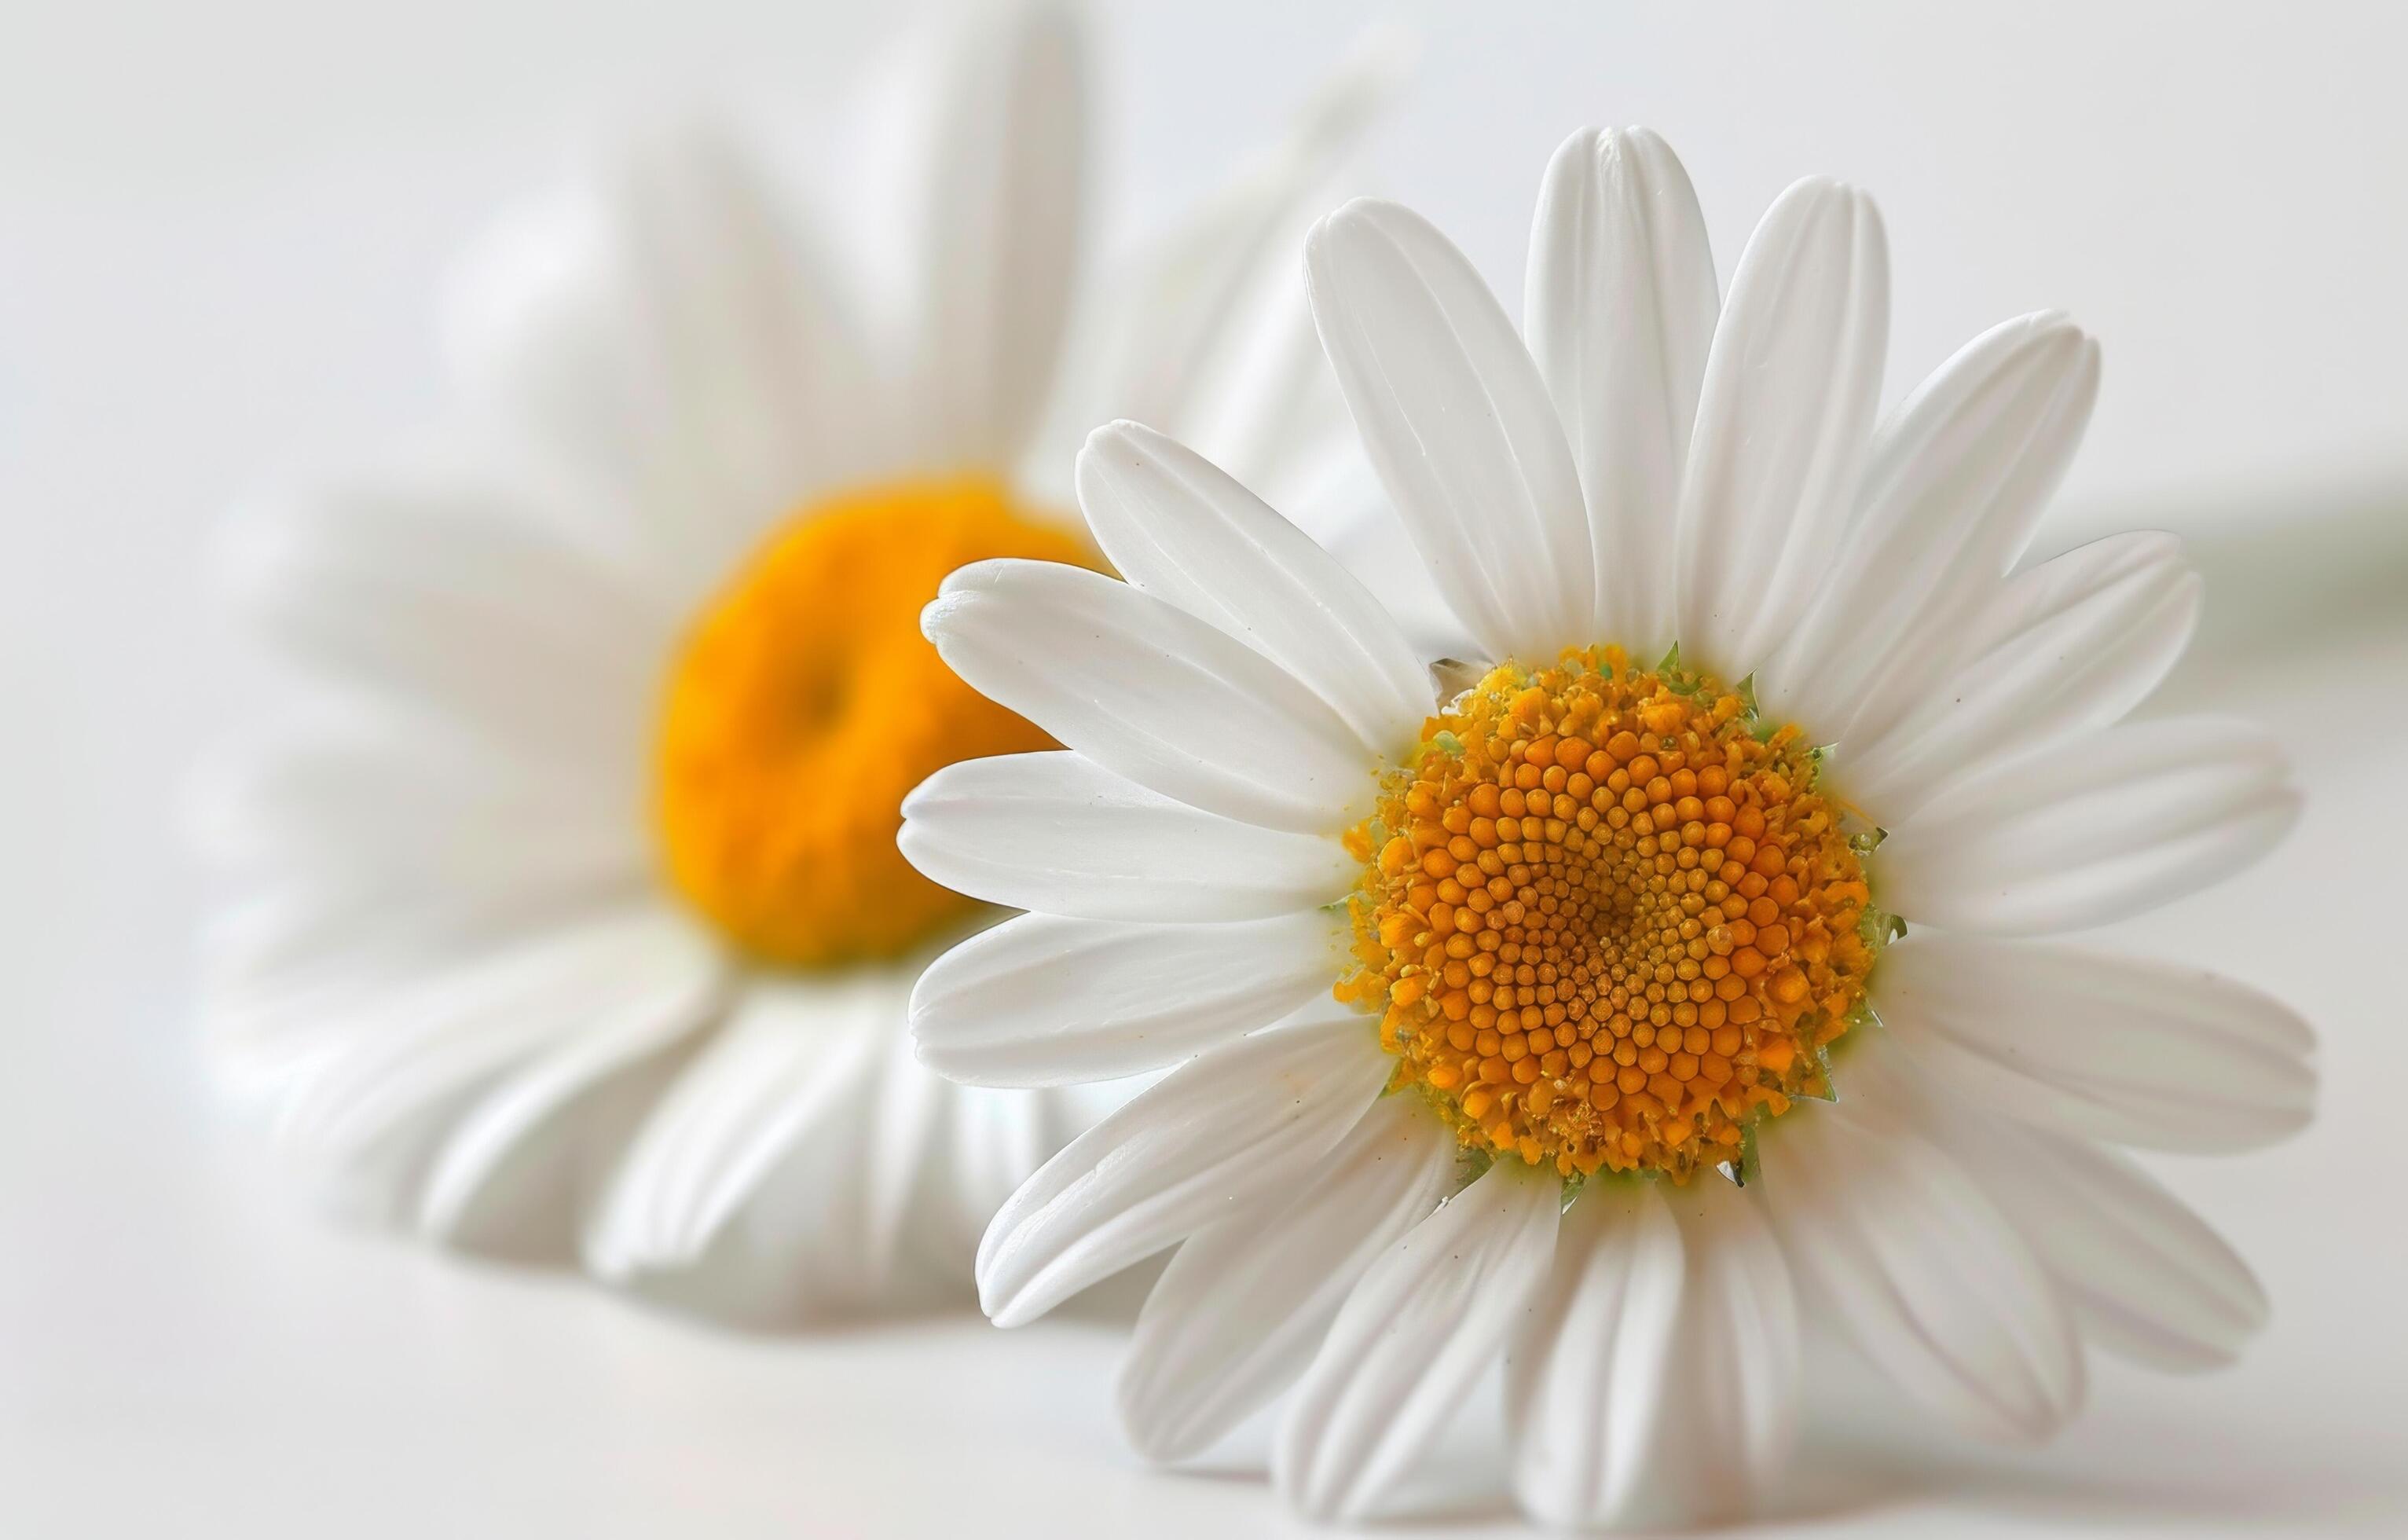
(1587, 140)
(1159, 1437)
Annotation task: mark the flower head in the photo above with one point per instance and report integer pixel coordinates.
(565, 904)
(1650, 990)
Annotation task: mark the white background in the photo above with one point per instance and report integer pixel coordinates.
(222, 230)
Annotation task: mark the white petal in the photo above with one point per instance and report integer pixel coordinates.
(1179, 528)
(1002, 234)
(1893, 1243)
(2098, 829)
(788, 1250)
(2095, 1045)
(1657, 1383)
(1742, 1339)
(1208, 334)
(940, 1160)
(2067, 647)
(298, 956)
(763, 381)
(1957, 478)
(1457, 422)
(1212, 1136)
(1783, 421)
(1619, 310)
(288, 965)
(454, 593)
(873, 1203)
(1589, 1372)
(788, 1056)
(997, 1140)
(2147, 1279)
(383, 1052)
(537, 1104)
(1270, 413)
(1150, 692)
(671, 334)
(388, 799)
(1428, 1320)
(1059, 834)
(1237, 1313)
(1043, 1001)
(905, 1171)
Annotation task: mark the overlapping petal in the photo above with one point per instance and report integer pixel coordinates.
(2069, 646)
(1891, 1241)
(377, 1057)
(453, 594)
(1206, 1141)
(2090, 1045)
(1178, 527)
(1656, 1382)
(2146, 1278)
(1956, 481)
(1152, 693)
(1045, 1000)
(413, 809)
(2100, 827)
(1783, 419)
(786, 1057)
(1002, 226)
(1239, 1311)
(1424, 1325)
(1458, 424)
(1058, 833)
(1620, 309)
(672, 337)
(1207, 333)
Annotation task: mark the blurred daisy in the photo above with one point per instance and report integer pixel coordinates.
(569, 906)
(1560, 1023)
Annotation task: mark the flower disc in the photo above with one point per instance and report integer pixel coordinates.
(1611, 920)
(805, 703)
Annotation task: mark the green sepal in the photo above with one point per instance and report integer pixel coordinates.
(1748, 1170)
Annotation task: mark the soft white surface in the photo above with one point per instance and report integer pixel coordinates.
(221, 230)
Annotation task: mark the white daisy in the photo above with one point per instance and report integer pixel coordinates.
(566, 901)
(1608, 923)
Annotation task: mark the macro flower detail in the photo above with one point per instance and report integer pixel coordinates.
(1655, 981)
(566, 915)
(1551, 883)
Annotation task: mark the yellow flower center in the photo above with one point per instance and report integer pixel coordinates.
(804, 704)
(1611, 921)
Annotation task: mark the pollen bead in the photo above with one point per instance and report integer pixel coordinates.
(1610, 921)
(805, 704)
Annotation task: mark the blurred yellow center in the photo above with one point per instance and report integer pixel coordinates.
(804, 705)
(1608, 919)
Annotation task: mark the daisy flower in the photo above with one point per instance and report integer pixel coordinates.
(565, 904)
(1658, 987)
